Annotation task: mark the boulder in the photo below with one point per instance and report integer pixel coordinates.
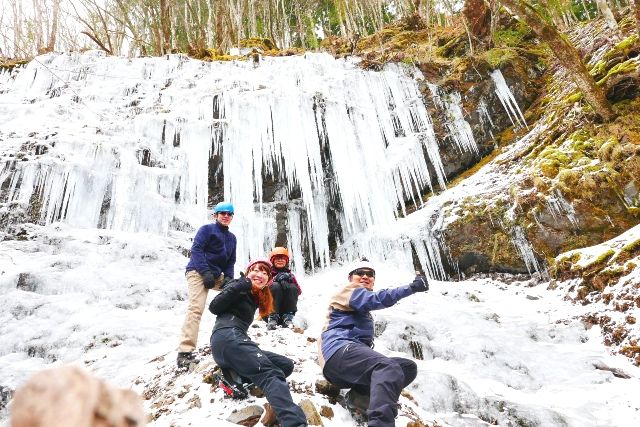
(70, 396)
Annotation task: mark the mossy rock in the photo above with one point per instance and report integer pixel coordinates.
(10, 64)
(260, 43)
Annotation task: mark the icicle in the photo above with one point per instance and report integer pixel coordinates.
(507, 99)
(559, 206)
(526, 251)
(459, 129)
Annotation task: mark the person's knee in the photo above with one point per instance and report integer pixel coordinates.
(410, 371)
(287, 367)
(390, 372)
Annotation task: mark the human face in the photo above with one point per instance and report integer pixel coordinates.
(224, 218)
(365, 277)
(259, 275)
(280, 261)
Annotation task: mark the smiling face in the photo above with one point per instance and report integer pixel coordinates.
(224, 218)
(364, 277)
(280, 261)
(259, 275)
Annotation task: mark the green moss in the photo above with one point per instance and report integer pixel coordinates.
(627, 43)
(264, 44)
(606, 149)
(573, 98)
(10, 64)
(498, 57)
(601, 259)
(512, 36)
(599, 68)
(631, 247)
(627, 66)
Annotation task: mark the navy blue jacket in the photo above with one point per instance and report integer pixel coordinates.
(349, 319)
(213, 249)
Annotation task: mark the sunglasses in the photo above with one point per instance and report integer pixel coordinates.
(224, 213)
(364, 272)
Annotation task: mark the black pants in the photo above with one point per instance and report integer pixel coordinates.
(285, 297)
(232, 348)
(369, 372)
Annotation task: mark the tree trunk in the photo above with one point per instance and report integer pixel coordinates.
(54, 26)
(636, 9)
(165, 26)
(603, 6)
(478, 16)
(567, 55)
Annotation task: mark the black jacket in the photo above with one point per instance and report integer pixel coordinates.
(234, 306)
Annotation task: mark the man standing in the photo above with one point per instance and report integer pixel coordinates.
(213, 255)
(346, 353)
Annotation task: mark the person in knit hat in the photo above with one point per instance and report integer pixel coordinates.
(235, 308)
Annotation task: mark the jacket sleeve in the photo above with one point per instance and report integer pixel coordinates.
(364, 300)
(295, 281)
(199, 261)
(229, 294)
(228, 272)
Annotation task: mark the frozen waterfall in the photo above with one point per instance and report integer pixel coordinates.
(130, 144)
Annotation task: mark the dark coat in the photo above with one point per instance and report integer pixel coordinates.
(234, 306)
(213, 249)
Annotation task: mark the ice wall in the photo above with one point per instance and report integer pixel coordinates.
(125, 144)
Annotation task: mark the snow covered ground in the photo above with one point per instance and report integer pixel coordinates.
(491, 350)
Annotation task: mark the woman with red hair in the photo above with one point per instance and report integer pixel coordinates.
(235, 307)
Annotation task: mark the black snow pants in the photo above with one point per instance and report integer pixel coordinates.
(232, 348)
(369, 372)
(285, 297)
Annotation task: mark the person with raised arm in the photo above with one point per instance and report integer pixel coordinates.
(346, 346)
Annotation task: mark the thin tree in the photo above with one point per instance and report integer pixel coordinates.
(566, 54)
(636, 9)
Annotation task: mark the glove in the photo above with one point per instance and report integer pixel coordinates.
(283, 277)
(419, 284)
(240, 285)
(209, 279)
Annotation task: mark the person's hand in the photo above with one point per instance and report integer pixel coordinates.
(419, 284)
(208, 279)
(241, 285)
(282, 277)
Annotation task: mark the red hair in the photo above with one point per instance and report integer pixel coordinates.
(262, 297)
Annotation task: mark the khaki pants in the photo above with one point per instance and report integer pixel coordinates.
(197, 300)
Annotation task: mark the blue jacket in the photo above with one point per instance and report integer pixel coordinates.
(213, 249)
(349, 319)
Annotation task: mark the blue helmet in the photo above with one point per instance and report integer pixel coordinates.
(223, 207)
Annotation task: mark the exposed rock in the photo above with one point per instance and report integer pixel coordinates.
(27, 282)
(248, 416)
(70, 396)
(269, 417)
(326, 388)
(310, 411)
(327, 412)
(5, 396)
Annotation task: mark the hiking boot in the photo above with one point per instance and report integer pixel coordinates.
(272, 321)
(232, 384)
(185, 359)
(287, 320)
(355, 401)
